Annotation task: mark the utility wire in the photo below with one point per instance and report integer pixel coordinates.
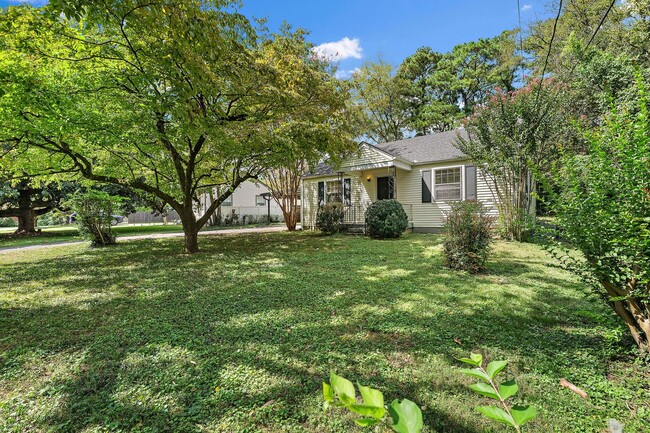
(575, 65)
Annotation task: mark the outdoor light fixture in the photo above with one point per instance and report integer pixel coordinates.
(368, 178)
(267, 196)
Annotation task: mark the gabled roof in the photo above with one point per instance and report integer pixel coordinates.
(426, 148)
(416, 150)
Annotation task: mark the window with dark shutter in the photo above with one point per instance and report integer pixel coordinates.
(470, 182)
(321, 193)
(426, 186)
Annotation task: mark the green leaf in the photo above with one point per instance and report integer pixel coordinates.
(475, 372)
(495, 368)
(508, 389)
(366, 422)
(407, 416)
(474, 359)
(497, 414)
(371, 396)
(523, 414)
(484, 389)
(365, 410)
(328, 393)
(343, 388)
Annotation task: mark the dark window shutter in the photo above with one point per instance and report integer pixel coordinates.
(470, 182)
(321, 193)
(426, 186)
(347, 192)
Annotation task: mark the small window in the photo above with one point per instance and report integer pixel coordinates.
(447, 184)
(333, 192)
(227, 202)
(259, 200)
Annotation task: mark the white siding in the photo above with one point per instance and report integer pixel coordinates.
(243, 201)
(408, 192)
(366, 156)
(432, 215)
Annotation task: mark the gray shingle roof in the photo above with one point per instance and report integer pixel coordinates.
(415, 150)
(426, 148)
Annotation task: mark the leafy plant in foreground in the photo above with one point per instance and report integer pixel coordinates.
(514, 416)
(405, 417)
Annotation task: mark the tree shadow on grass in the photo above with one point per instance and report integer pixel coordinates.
(242, 335)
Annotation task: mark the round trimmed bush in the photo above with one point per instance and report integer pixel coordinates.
(386, 219)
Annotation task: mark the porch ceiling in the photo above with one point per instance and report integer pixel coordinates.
(373, 166)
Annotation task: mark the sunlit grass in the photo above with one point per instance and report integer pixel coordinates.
(140, 337)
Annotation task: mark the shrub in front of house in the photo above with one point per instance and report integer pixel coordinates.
(329, 218)
(469, 236)
(386, 219)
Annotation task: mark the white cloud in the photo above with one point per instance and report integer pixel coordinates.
(344, 74)
(526, 7)
(339, 50)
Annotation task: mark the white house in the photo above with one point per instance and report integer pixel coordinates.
(423, 173)
(246, 200)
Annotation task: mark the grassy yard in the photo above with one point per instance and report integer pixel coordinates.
(239, 337)
(58, 234)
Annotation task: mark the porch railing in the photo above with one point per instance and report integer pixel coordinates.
(355, 214)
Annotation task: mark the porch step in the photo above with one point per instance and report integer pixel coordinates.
(358, 230)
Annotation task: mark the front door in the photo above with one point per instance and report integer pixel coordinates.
(385, 188)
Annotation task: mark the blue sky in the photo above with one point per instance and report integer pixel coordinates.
(360, 30)
(393, 29)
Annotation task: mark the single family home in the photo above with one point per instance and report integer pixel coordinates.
(424, 173)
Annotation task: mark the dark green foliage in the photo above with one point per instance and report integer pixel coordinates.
(469, 235)
(329, 219)
(604, 212)
(386, 219)
(94, 210)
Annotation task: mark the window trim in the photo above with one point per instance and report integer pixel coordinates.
(326, 193)
(462, 182)
(257, 203)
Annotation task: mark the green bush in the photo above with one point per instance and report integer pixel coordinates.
(329, 219)
(469, 235)
(386, 219)
(94, 211)
(7, 222)
(603, 211)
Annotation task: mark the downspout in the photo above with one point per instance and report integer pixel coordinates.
(302, 203)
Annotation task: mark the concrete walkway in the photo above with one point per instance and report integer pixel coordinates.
(152, 236)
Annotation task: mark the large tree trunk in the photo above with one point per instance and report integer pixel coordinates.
(190, 230)
(633, 311)
(26, 221)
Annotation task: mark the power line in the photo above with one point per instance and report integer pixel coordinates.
(575, 65)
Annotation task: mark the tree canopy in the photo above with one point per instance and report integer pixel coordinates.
(173, 98)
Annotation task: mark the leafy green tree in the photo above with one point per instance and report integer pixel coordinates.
(514, 139)
(380, 94)
(430, 103)
(603, 211)
(174, 98)
(26, 200)
(475, 70)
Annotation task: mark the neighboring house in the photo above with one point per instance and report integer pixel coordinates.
(423, 173)
(245, 200)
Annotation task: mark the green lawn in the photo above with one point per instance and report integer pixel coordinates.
(69, 233)
(238, 338)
